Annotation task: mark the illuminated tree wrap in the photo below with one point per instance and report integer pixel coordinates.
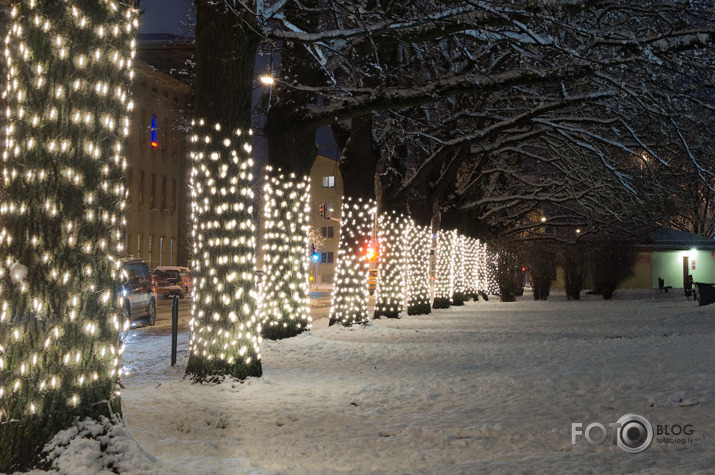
(283, 306)
(460, 279)
(350, 292)
(67, 112)
(390, 291)
(444, 270)
(418, 241)
(471, 272)
(225, 330)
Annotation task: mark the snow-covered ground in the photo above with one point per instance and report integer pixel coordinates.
(488, 387)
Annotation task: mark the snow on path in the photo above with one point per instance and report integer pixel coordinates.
(488, 387)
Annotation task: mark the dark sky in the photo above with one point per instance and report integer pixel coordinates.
(164, 16)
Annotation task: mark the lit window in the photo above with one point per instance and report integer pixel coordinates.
(328, 181)
(154, 131)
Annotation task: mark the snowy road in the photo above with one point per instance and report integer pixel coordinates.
(489, 387)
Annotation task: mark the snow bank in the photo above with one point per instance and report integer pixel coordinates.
(488, 387)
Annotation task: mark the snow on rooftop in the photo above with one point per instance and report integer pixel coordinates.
(488, 387)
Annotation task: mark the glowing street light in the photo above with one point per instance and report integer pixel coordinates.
(267, 80)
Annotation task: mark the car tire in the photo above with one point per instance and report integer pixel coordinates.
(151, 313)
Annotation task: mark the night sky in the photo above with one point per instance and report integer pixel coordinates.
(163, 16)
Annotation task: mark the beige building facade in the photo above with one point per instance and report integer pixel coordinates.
(157, 202)
(326, 194)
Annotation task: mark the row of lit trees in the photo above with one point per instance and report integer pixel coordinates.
(464, 266)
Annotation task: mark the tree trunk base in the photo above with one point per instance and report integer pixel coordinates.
(441, 302)
(419, 309)
(458, 299)
(279, 332)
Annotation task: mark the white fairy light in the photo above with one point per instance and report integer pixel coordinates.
(418, 240)
(444, 270)
(66, 301)
(350, 293)
(390, 290)
(283, 303)
(224, 317)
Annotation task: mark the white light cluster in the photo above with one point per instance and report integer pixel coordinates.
(390, 291)
(283, 303)
(444, 270)
(460, 268)
(417, 246)
(350, 293)
(224, 326)
(67, 96)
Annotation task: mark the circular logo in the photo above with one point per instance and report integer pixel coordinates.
(634, 433)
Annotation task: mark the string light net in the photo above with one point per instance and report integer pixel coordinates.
(471, 268)
(390, 290)
(444, 270)
(68, 100)
(418, 240)
(460, 266)
(350, 292)
(283, 305)
(225, 330)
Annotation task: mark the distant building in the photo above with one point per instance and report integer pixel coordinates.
(326, 194)
(158, 207)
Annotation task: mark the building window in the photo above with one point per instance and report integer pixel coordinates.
(171, 251)
(140, 238)
(152, 195)
(173, 195)
(328, 181)
(128, 250)
(141, 187)
(173, 142)
(151, 241)
(154, 131)
(164, 137)
(130, 182)
(326, 257)
(161, 251)
(327, 231)
(142, 128)
(163, 193)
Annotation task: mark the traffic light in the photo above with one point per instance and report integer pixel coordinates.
(370, 252)
(314, 254)
(323, 210)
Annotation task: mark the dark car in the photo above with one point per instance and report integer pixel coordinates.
(138, 293)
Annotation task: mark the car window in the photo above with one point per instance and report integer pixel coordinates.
(131, 271)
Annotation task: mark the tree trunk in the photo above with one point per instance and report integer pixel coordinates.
(391, 271)
(419, 245)
(225, 330)
(444, 271)
(284, 291)
(349, 302)
(62, 222)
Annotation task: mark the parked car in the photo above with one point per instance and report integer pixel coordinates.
(173, 280)
(138, 292)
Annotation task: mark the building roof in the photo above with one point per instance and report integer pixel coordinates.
(171, 54)
(668, 238)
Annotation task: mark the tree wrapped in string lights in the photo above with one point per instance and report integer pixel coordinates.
(417, 245)
(390, 291)
(225, 331)
(459, 294)
(68, 100)
(350, 293)
(444, 270)
(283, 305)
